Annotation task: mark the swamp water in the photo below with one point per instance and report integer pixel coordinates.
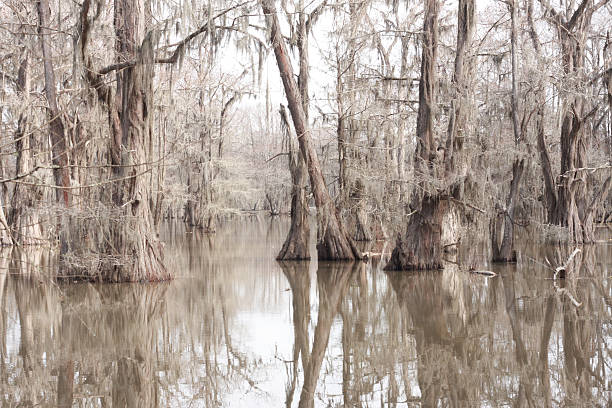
(237, 329)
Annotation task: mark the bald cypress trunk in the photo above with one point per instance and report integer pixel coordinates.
(420, 246)
(574, 202)
(333, 241)
(133, 232)
(435, 221)
(25, 224)
(129, 250)
(59, 151)
(505, 252)
(296, 244)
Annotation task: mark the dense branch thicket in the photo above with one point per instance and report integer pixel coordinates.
(409, 120)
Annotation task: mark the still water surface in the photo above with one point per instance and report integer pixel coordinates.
(238, 329)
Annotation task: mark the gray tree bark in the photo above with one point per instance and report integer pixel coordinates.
(420, 247)
(59, 150)
(132, 252)
(333, 241)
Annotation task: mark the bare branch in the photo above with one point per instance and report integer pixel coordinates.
(173, 58)
(314, 15)
(554, 14)
(577, 14)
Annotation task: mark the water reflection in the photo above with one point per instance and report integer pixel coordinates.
(298, 277)
(332, 283)
(239, 329)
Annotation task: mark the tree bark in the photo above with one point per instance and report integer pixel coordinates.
(132, 251)
(296, 245)
(25, 227)
(199, 211)
(333, 241)
(454, 160)
(361, 231)
(571, 206)
(506, 253)
(425, 150)
(420, 247)
(61, 172)
(550, 192)
(434, 217)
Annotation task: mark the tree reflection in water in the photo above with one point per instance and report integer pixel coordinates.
(298, 276)
(228, 332)
(332, 285)
(101, 336)
(521, 355)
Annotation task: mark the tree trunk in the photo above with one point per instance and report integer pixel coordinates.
(6, 237)
(65, 384)
(61, 172)
(198, 208)
(352, 199)
(420, 247)
(436, 221)
(570, 206)
(26, 227)
(333, 241)
(455, 162)
(362, 231)
(142, 249)
(132, 251)
(296, 245)
(425, 150)
(506, 252)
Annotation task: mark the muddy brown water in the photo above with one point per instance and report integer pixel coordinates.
(238, 329)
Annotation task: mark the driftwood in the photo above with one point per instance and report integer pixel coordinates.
(564, 291)
(563, 268)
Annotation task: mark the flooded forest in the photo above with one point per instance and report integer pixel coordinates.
(349, 203)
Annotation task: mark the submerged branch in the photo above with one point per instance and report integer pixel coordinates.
(564, 267)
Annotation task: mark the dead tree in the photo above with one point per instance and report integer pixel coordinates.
(435, 212)
(333, 241)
